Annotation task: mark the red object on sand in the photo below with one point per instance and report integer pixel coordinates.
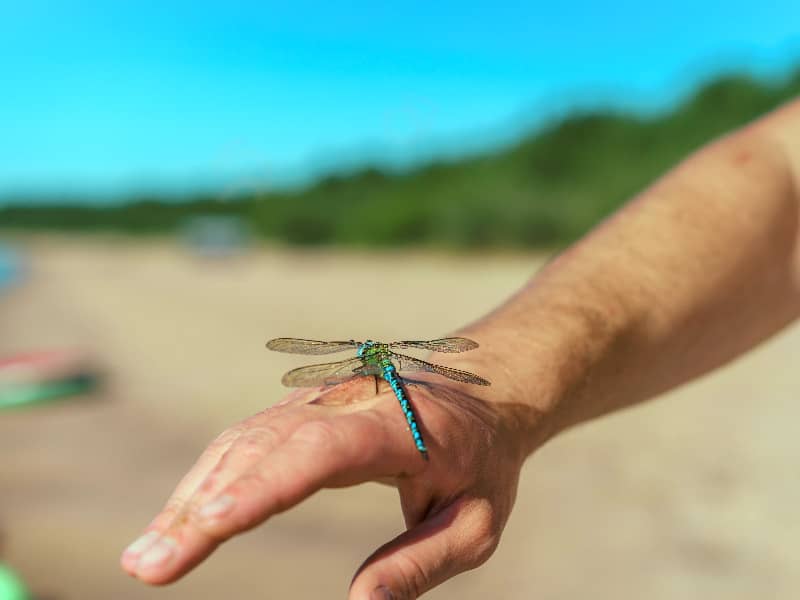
(41, 365)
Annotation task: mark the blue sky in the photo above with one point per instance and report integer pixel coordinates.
(119, 97)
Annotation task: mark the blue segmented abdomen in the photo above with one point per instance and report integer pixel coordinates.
(390, 375)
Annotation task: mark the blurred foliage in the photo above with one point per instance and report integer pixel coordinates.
(546, 190)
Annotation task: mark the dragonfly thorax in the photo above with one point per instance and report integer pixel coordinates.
(371, 352)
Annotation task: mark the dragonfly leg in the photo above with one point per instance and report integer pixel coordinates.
(375, 377)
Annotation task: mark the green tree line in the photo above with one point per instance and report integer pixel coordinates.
(544, 190)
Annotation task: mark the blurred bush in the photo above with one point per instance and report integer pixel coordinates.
(544, 191)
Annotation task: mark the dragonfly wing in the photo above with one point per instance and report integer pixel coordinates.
(410, 364)
(452, 344)
(299, 346)
(324, 374)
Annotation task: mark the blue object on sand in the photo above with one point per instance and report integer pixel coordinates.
(10, 266)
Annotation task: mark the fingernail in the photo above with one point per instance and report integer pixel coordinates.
(381, 593)
(158, 554)
(141, 543)
(218, 507)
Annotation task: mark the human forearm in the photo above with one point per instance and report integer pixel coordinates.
(697, 269)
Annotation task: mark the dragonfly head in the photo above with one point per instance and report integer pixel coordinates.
(363, 347)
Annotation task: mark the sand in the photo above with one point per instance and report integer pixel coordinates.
(694, 495)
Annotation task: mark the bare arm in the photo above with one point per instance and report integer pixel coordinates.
(698, 268)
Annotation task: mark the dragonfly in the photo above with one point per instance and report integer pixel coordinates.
(376, 359)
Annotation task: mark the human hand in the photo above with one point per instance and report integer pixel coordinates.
(455, 505)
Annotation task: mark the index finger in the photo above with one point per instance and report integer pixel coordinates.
(212, 471)
(328, 452)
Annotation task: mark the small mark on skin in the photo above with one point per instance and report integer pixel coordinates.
(742, 157)
(181, 520)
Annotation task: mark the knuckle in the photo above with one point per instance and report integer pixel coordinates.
(317, 433)
(485, 535)
(251, 484)
(483, 550)
(220, 443)
(256, 441)
(249, 491)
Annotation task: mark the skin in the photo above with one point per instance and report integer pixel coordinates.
(700, 267)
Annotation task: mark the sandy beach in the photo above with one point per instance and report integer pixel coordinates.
(693, 495)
